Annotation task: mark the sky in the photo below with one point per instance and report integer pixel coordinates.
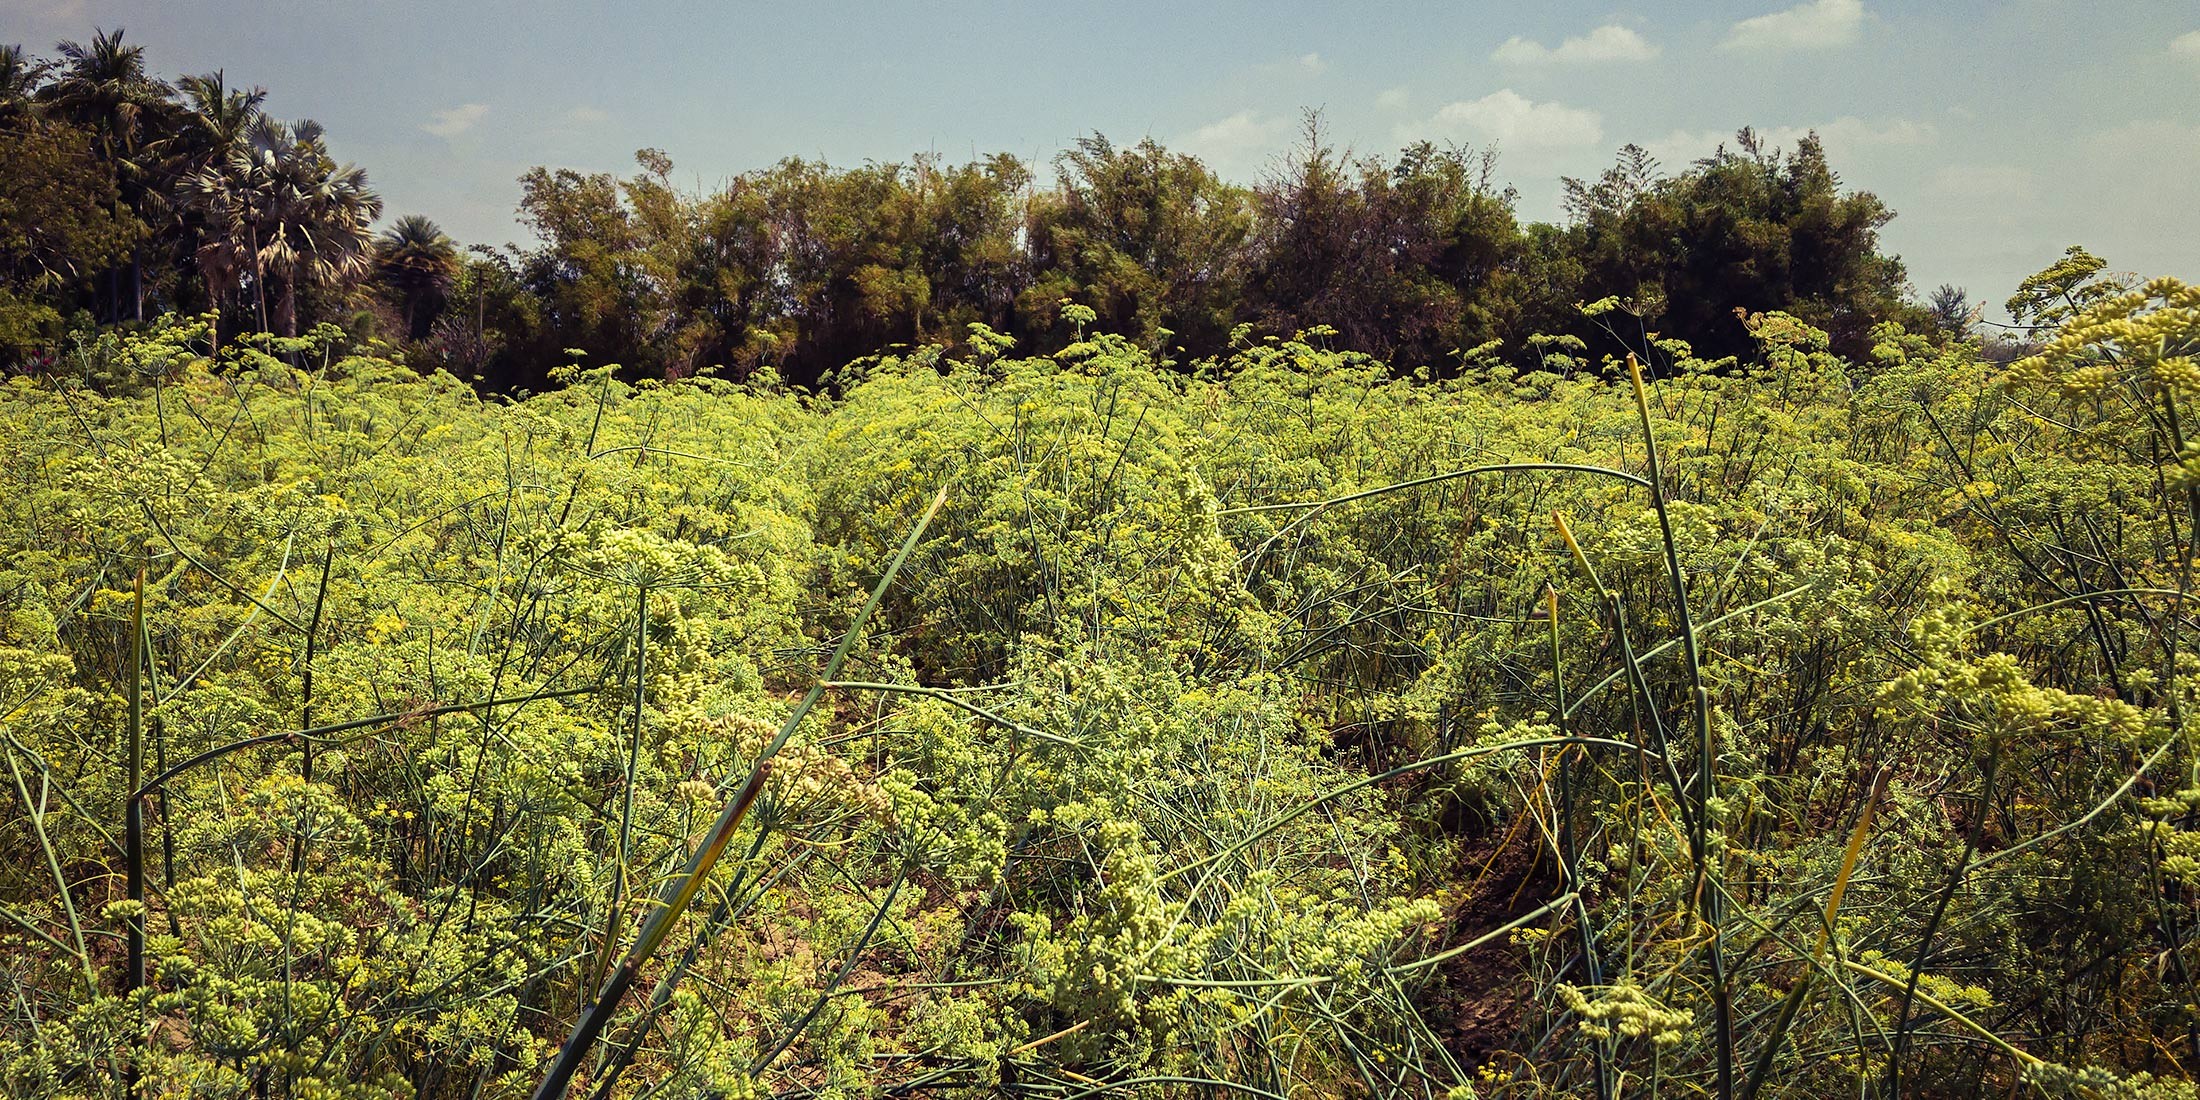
(2000, 132)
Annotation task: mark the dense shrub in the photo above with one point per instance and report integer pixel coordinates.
(1277, 723)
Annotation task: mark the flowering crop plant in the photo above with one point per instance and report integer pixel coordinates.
(1090, 724)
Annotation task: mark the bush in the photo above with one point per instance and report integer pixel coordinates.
(1283, 724)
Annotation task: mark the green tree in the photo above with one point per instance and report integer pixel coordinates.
(730, 274)
(20, 77)
(893, 254)
(1151, 240)
(801, 264)
(419, 264)
(490, 329)
(60, 226)
(1406, 261)
(1950, 311)
(972, 256)
(592, 274)
(214, 121)
(1750, 228)
(282, 216)
(104, 88)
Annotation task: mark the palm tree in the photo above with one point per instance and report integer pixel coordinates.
(20, 76)
(104, 88)
(217, 115)
(283, 214)
(418, 262)
(216, 118)
(227, 203)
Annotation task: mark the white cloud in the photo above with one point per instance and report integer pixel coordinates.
(1512, 120)
(453, 121)
(1851, 130)
(587, 116)
(1610, 42)
(65, 16)
(2186, 45)
(2153, 139)
(1302, 67)
(1816, 25)
(2001, 183)
(1234, 146)
(1843, 135)
(1394, 99)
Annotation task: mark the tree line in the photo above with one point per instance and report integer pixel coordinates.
(129, 195)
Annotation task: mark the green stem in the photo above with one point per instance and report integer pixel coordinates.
(1708, 901)
(133, 828)
(680, 890)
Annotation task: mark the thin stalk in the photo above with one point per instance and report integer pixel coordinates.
(1582, 697)
(1529, 917)
(730, 908)
(2028, 1061)
(680, 890)
(1709, 902)
(1631, 669)
(305, 676)
(1924, 952)
(1760, 1072)
(34, 810)
(2082, 597)
(952, 700)
(1567, 841)
(626, 799)
(305, 702)
(847, 966)
(1318, 507)
(167, 835)
(209, 571)
(133, 824)
(323, 732)
(24, 923)
(2099, 808)
(1300, 810)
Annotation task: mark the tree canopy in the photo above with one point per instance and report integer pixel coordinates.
(146, 195)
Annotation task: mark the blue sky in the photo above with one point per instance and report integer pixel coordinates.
(2000, 132)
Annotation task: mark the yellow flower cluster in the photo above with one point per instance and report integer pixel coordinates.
(803, 775)
(1626, 1011)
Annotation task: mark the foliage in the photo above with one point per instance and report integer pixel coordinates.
(280, 212)
(419, 263)
(1747, 229)
(802, 267)
(1786, 728)
(1408, 261)
(59, 222)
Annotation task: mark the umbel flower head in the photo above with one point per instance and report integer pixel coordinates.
(1626, 1011)
(645, 559)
